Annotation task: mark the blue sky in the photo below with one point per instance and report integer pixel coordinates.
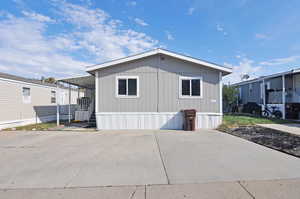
(59, 38)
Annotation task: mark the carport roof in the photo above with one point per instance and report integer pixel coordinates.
(85, 81)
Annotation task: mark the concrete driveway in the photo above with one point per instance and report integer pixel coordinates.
(88, 159)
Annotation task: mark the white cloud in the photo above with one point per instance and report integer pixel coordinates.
(131, 3)
(245, 66)
(169, 35)
(27, 48)
(38, 17)
(102, 36)
(280, 61)
(140, 22)
(221, 29)
(261, 36)
(191, 11)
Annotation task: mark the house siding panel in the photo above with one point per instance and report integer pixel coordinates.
(152, 99)
(145, 69)
(13, 108)
(169, 101)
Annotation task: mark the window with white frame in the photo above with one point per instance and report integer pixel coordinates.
(53, 97)
(127, 86)
(190, 87)
(26, 95)
(250, 89)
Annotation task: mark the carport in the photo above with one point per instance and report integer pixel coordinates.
(85, 107)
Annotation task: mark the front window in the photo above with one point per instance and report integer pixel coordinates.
(250, 89)
(190, 87)
(26, 95)
(53, 97)
(127, 86)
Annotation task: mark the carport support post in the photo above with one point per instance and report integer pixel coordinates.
(264, 93)
(283, 97)
(220, 93)
(69, 103)
(57, 104)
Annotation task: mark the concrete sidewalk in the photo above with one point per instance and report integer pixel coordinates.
(273, 189)
(289, 128)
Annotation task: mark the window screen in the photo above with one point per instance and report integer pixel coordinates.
(132, 87)
(195, 87)
(185, 87)
(53, 97)
(122, 87)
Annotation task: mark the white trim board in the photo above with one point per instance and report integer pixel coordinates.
(155, 52)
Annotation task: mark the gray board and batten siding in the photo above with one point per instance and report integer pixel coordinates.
(158, 86)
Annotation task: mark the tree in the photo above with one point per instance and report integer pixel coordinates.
(230, 97)
(50, 80)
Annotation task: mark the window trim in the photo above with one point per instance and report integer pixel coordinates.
(127, 96)
(28, 100)
(190, 96)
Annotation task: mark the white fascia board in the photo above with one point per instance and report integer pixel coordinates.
(266, 77)
(196, 61)
(122, 60)
(25, 83)
(159, 51)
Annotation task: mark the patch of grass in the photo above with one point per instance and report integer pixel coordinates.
(232, 121)
(37, 127)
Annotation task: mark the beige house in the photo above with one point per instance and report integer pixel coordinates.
(26, 101)
(149, 90)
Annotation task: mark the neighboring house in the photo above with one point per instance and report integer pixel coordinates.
(149, 90)
(281, 90)
(27, 101)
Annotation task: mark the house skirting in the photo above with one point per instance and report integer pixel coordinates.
(22, 122)
(153, 120)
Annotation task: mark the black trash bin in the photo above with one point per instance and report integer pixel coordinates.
(189, 120)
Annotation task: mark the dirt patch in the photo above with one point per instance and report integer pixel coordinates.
(275, 139)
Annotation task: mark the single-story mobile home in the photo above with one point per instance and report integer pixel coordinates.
(27, 101)
(149, 90)
(280, 91)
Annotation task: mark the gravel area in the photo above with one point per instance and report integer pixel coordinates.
(271, 138)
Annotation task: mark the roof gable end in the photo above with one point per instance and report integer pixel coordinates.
(225, 70)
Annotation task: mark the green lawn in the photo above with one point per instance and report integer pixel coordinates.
(232, 121)
(37, 127)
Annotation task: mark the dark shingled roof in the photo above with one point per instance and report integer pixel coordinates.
(22, 79)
